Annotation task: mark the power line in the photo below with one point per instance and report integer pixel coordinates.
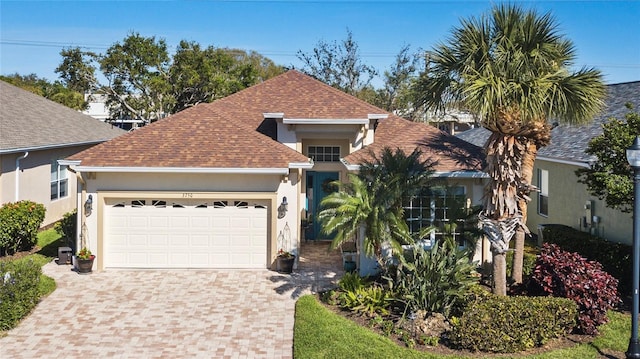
(35, 43)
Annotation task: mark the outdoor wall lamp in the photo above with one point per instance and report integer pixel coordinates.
(88, 206)
(633, 157)
(283, 208)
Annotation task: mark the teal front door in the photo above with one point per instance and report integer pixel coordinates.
(317, 188)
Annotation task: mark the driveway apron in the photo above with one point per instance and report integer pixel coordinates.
(158, 314)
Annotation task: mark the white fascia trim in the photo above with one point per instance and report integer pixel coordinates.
(275, 171)
(565, 162)
(349, 166)
(378, 116)
(273, 115)
(49, 147)
(461, 174)
(69, 162)
(325, 121)
(303, 165)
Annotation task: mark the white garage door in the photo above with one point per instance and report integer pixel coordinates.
(170, 233)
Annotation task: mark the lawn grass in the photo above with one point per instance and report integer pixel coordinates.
(319, 333)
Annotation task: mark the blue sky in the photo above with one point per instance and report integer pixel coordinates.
(32, 33)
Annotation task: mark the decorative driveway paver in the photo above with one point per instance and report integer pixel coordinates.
(167, 314)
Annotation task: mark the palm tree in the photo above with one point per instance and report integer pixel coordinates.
(512, 68)
(372, 199)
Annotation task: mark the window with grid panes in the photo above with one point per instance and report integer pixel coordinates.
(438, 207)
(59, 180)
(324, 153)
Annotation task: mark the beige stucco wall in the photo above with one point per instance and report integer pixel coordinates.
(34, 180)
(567, 199)
(264, 187)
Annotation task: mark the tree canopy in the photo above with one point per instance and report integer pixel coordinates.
(54, 91)
(144, 81)
(610, 176)
(338, 64)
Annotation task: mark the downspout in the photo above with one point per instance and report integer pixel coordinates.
(18, 174)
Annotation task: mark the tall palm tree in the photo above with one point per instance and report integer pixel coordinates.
(373, 199)
(513, 68)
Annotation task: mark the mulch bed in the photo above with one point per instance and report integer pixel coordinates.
(441, 349)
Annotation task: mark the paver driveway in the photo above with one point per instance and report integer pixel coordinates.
(159, 314)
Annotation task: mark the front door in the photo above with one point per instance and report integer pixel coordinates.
(317, 188)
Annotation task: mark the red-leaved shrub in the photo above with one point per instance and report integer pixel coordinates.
(563, 274)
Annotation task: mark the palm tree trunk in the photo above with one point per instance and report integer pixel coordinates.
(501, 215)
(528, 160)
(499, 273)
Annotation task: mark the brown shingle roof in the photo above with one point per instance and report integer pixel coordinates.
(29, 121)
(230, 132)
(198, 137)
(450, 152)
(297, 96)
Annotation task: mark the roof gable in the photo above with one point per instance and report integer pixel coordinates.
(296, 96)
(29, 122)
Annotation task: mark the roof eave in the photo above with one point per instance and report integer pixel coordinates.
(50, 147)
(460, 174)
(211, 170)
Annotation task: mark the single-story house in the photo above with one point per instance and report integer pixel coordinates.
(34, 134)
(228, 184)
(562, 200)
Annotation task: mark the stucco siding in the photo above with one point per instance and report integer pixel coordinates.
(34, 181)
(567, 200)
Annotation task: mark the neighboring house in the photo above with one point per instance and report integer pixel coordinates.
(562, 200)
(453, 122)
(34, 134)
(227, 184)
(99, 109)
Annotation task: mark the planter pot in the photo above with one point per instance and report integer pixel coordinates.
(285, 265)
(84, 265)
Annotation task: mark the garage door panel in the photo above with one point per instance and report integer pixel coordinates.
(181, 235)
(158, 240)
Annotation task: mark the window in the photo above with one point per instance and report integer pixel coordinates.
(324, 153)
(439, 207)
(543, 195)
(59, 182)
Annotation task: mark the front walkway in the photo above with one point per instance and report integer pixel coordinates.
(170, 313)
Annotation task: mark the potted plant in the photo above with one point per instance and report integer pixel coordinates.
(285, 261)
(84, 260)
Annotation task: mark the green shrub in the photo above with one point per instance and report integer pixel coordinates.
(19, 223)
(511, 324)
(614, 257)
(66, 227)
(351, 282)
(434, 280)
(19, 291)
(370, 300)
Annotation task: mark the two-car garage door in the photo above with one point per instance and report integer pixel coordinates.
(184, 233)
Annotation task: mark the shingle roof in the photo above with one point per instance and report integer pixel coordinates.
(199, 137)
(297, 96)
(232, 132)
(569, 142)
(29, 121)
(450, 152)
